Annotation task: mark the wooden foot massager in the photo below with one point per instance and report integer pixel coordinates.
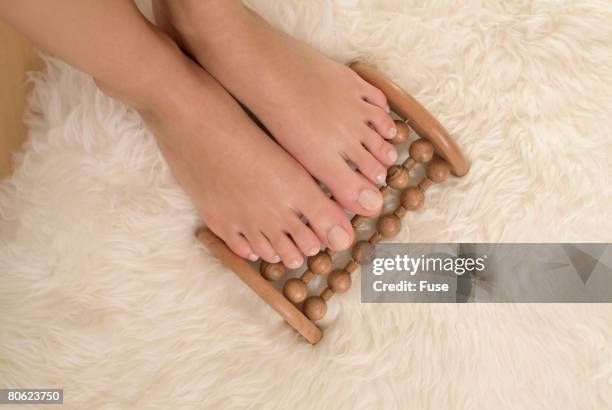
(435, 149)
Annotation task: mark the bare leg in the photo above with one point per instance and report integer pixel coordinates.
(246, 188)
(108, 39)
(318, 110)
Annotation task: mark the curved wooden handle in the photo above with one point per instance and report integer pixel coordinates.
(260, 286)
(421, 120)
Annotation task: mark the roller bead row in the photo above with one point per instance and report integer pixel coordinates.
(412, 198)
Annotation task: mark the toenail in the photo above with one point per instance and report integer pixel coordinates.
(338, 238)
(388, 109)
(370, 200)
(276, 259)
(252, 257)
(295, 263)
(392, 155)
(380, 178)
(313, 251)
(392, 132)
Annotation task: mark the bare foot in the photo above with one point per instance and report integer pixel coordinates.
(247, 189)
(320, 111)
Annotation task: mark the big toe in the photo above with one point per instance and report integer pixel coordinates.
(353, 191)
(329, 222)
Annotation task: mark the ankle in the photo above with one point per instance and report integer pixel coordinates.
(191, 17)
(145, 86)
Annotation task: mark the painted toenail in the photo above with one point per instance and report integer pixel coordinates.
(295, 263)
(276, 259)
(338, 238)
(381, 177)
(252, 257)
(370, 200)
(313, 251)
(392, 132)
(392, 155)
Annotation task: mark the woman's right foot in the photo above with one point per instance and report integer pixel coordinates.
(247, 189)
(319, 111)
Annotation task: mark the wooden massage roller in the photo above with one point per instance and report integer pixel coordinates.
(435, 149)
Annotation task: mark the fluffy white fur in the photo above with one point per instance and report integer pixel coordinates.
(105, 292)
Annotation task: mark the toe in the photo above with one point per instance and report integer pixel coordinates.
(240, 246)
(379, 148)
(289, 253)
(353, 191)
(374, 96)
(369, 166)
(262, 247)
(382, 122)
(329, 222)
(304, 237)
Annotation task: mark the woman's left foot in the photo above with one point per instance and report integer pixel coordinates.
(320, 111)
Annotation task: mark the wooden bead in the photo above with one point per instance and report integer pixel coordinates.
(421, 151)
(314, 307)
(363, 252)
(389, 225)
(409, 164)
(375, 238)
(307, 276)
(403, 132)
(339, 281)
(438, 170)
(412, 198)
(351, 266)
(327, 294)
(271, 271)
(357, 220)
(295, 290)
(320, 264)
(398, 177)
(400, 212)
(424, 184)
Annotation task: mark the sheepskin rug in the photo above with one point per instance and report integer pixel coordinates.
(106, 294)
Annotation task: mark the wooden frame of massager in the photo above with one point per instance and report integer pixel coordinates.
(435, 148)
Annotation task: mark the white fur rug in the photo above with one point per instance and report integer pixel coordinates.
(105, 292)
